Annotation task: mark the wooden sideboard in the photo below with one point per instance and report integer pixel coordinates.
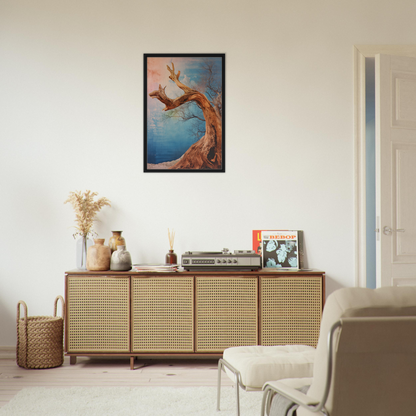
(189, 313)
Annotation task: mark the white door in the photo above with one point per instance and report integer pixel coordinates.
(396, 170)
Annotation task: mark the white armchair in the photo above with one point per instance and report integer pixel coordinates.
(365, 363)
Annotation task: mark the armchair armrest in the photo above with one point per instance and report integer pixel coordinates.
(291, 393)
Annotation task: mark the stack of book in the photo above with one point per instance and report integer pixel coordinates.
(155, 267)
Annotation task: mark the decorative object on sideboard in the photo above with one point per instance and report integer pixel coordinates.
(98, 256)
(120, 259)
(280, 248)
(240, 260)
(40, 338)
(116, 240)
(82, 246)
(86, 210)
(171, 257)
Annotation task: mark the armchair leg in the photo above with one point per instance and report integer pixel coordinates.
(221, 364)
(266, 401)
(219, 384)
(237, 391)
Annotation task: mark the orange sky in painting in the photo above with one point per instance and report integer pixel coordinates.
(157, 72)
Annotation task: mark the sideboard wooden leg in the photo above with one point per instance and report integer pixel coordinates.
(72, 359)
(131, 363)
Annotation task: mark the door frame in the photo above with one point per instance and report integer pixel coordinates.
(360, 53)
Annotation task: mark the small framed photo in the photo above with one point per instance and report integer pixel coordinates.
(184, 112)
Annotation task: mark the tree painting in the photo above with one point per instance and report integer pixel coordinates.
(184, 112)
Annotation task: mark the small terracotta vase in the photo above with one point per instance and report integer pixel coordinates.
(120, 259)
(98, 256)
(171, 258)
(116, 240)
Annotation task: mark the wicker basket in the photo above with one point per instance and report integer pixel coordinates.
(40, 338)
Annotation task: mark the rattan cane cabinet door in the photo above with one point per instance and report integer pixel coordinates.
(226, 312)
(98, 310)
(291, 309)
(162, 314)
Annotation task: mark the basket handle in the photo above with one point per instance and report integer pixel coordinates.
(21, 302)
(24, 340)
(56, 306)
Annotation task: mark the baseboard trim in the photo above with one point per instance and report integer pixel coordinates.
(7, 352)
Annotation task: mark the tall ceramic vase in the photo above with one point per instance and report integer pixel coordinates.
(98, 256)
(116, 240)
(82, 246)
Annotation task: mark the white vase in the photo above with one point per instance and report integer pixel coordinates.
(81, 252)
(120, 259)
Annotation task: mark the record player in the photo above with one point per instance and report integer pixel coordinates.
(240, 260)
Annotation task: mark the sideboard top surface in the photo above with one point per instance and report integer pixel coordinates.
(262, 272)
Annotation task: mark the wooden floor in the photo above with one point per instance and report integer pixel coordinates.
(109, 372)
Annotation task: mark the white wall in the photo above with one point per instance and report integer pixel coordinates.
(71, 118)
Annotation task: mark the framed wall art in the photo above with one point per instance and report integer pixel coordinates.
(184, 112)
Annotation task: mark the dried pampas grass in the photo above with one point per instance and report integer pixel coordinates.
(85, 210)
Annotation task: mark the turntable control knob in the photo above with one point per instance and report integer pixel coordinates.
(225, 250)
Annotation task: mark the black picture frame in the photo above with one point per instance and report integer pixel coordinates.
(184, 112)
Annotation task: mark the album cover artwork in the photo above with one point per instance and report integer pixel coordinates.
(279, 248)
(257, 241)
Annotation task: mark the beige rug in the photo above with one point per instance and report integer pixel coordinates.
(130, 401)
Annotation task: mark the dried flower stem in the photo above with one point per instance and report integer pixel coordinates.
(85, 210)
(171, 236)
